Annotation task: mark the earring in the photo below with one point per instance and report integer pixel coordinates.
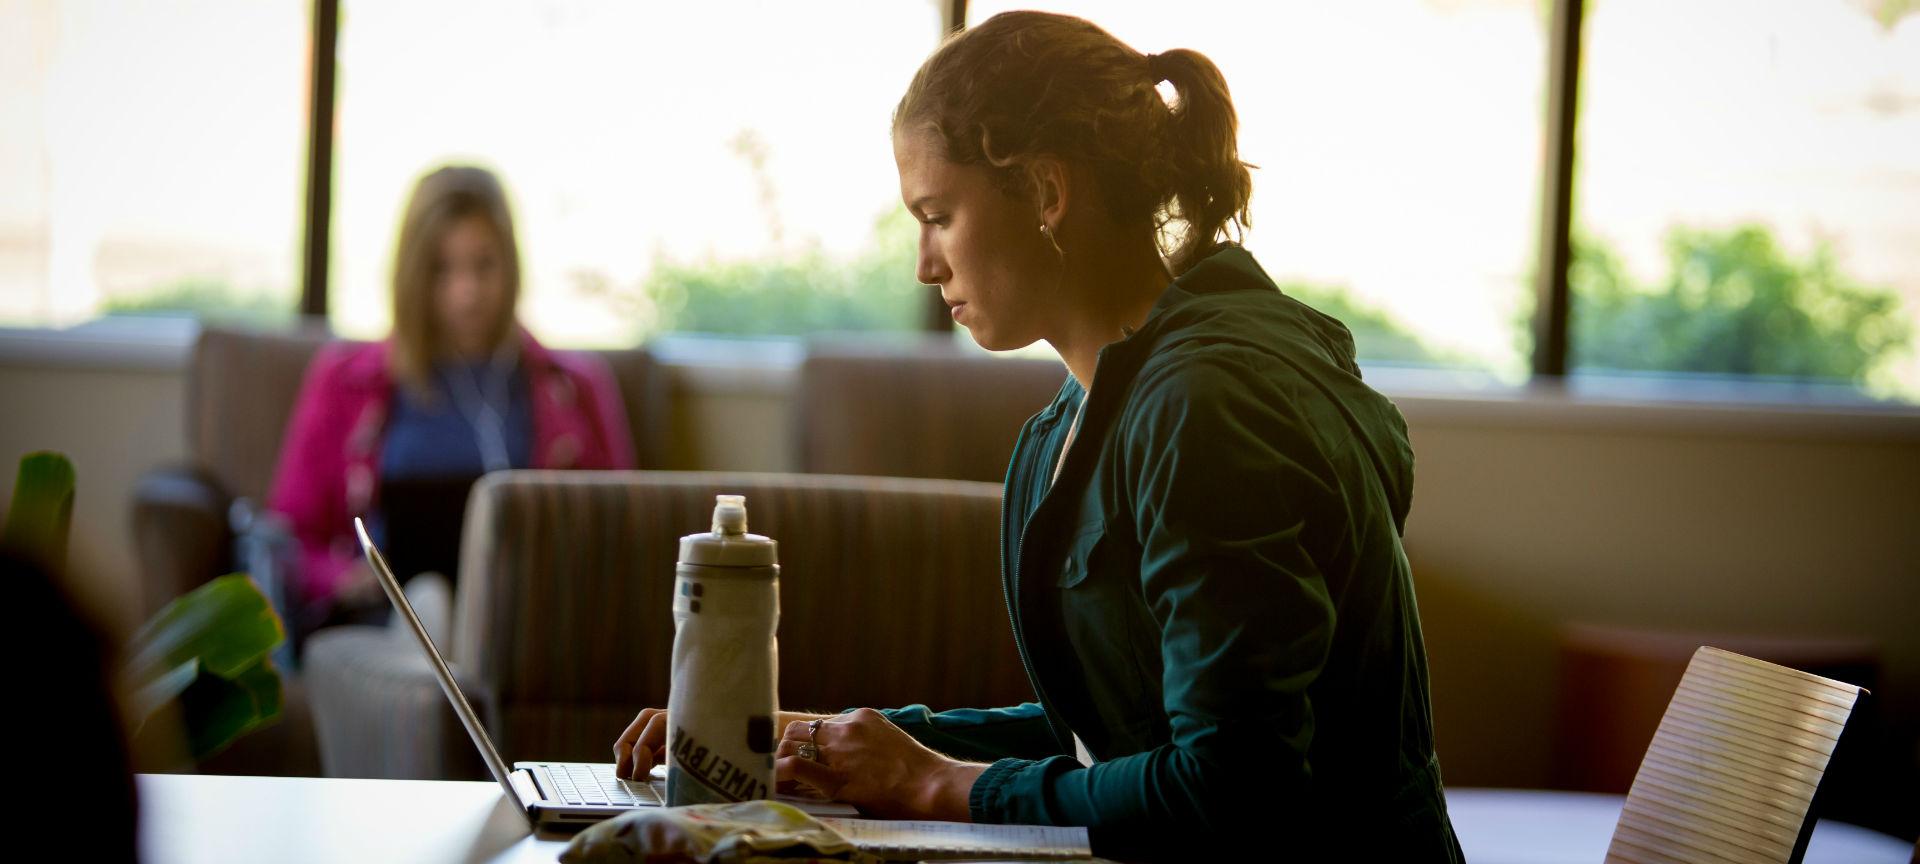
(1046, 231)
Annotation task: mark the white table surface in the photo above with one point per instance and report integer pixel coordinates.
(205, 819)
(209, 818)
(1527, 826)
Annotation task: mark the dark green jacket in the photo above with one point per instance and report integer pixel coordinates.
(1214, 597)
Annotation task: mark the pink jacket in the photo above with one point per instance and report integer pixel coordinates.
(330, 460)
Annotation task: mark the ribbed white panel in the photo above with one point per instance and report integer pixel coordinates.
(1731, 773)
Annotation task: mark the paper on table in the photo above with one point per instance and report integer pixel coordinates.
(923, 840)
(818, 807)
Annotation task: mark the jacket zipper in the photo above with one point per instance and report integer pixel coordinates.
(1006, 584)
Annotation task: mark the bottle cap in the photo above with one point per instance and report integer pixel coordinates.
(730, 514)
(729, 544)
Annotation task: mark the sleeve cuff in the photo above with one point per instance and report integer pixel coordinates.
(986, 800)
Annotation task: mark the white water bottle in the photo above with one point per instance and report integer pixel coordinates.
(720, 704)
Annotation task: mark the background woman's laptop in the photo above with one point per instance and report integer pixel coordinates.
(555, 795)
(423, 520)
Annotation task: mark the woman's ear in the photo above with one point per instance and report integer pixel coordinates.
(1052, 190)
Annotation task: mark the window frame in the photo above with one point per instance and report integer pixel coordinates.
(1553, 302)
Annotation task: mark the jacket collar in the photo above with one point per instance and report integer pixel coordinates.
(1228, 267)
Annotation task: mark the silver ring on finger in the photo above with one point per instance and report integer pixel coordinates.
(810, 750)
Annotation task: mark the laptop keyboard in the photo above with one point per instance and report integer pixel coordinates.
(583, 783)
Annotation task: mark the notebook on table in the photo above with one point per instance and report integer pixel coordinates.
(904, 840)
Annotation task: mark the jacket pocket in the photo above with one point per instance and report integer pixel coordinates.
(1109, 630)
(1082, 551)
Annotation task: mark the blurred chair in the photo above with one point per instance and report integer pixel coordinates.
(1616, 681)
(240, 391)
(890, 594)
(1734, 769)
(241, 387)
(915, 410)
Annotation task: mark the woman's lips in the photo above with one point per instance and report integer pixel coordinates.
(955, 310)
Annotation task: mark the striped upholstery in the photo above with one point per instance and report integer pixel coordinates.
(890, 594)
(1733, 769)
(906, 411)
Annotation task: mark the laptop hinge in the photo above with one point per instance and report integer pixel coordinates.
(528, 785)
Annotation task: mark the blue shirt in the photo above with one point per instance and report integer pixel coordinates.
(437, 436)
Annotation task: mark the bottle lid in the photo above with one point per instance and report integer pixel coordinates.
(730, 514)
(729, 544)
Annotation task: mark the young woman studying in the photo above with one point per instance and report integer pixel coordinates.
(1201, 534)
(458, 389)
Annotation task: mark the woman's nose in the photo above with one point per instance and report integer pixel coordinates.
(931, 270)
(462, 287)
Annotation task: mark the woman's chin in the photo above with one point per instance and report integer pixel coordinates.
(982, 336)
(992, 341)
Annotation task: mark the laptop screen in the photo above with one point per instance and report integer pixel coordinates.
(421, 521)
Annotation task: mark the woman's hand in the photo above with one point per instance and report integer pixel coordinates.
(644, 743)
(865, 760)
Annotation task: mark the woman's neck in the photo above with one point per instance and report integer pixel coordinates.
(478, 352)
(1107, 301)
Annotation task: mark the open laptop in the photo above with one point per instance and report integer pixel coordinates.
(422, 521)
(559, 796)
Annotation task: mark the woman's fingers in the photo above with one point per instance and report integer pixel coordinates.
(787, 747)
(797, 776)
(826, 779)
(636, 748)
(623, 745)
(652, 747)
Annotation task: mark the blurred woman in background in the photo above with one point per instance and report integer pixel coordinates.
(457, 390)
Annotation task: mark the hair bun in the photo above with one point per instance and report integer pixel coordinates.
(1168, 161)
(1156, 67)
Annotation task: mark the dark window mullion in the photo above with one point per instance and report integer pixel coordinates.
(1553, 300)
(326, 30)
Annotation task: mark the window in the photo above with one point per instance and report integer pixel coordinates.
(1747, 183)
(1398, 151)
(689, 166)
(153, 158)
(1745, 170)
